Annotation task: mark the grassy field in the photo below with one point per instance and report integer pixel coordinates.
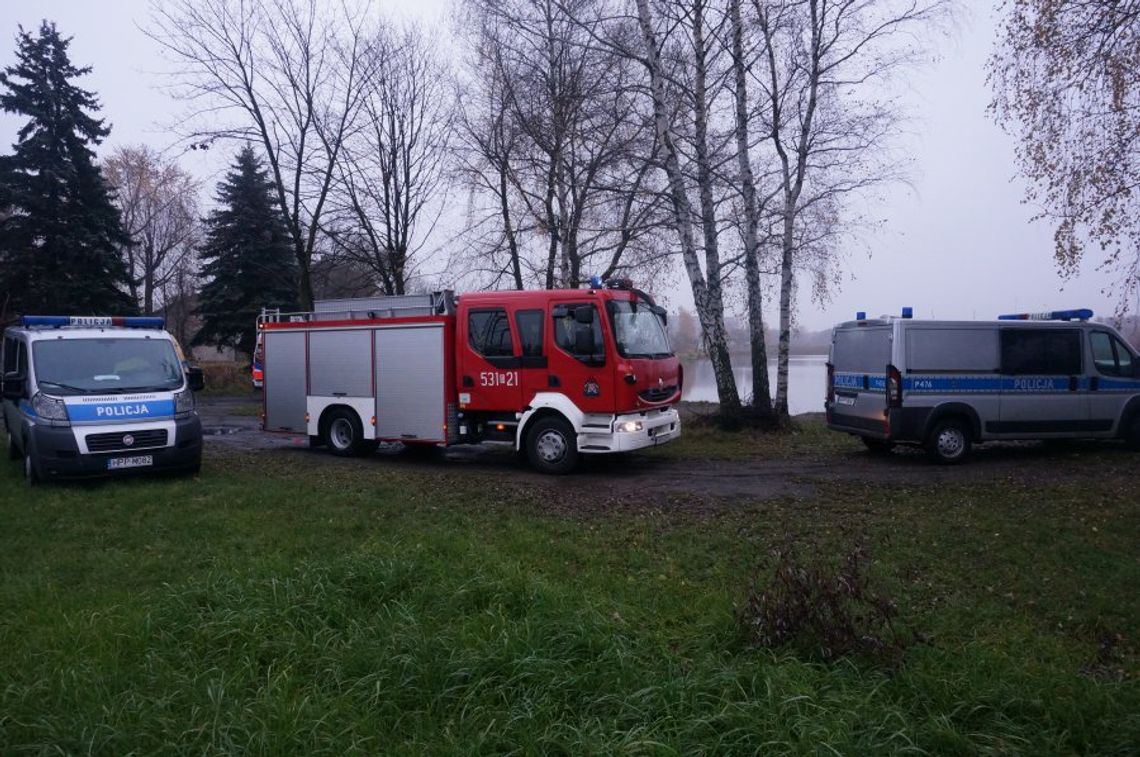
(285, 602)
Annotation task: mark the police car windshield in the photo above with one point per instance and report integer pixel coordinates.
(110, 365)
(638, 331)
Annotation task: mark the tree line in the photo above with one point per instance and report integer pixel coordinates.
(739, 141)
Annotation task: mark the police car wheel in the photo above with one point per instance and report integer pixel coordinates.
(343, 433)
(31, 475)
(948, 443)
(552, 446)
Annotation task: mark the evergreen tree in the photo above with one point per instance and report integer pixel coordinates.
(248, 260)
(60, 234)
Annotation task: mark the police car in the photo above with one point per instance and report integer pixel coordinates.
(85, 396)
(950, 384)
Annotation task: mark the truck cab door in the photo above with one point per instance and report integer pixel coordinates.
(579, 364)
(489, 365)
(534, 366)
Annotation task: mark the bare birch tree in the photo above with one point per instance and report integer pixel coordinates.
(158, 202)
(827, 115)
(707, 285)
(284, 74)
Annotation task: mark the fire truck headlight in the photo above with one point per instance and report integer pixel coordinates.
(49, 408)
(630, 426)
(183, 403)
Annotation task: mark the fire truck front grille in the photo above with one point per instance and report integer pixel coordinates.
(118, 441)
(658, 393)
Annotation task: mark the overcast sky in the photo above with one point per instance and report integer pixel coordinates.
(957, 243)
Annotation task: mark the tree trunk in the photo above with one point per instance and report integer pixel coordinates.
(786, 280)
(761, 392)
(712, 319)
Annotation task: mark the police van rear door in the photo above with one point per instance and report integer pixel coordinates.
(859, 358)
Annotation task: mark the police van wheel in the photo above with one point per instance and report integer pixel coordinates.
(948, 443)
(552, 446)
(877, 446)
(343, 433)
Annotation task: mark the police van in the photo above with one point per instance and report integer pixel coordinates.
(947, 385)
(87, 396)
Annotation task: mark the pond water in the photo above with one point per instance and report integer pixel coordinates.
(807, 381)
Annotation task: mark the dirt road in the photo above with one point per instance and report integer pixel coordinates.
(229, 426)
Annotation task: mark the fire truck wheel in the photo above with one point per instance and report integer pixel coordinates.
(342, 432)
(552, 446)
(949, 442)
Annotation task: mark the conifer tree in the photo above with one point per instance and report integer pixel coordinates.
(60, 233)
(248, 261)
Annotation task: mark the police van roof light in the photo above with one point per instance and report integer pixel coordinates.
(908, 312)
(861, 315)
(1078, 314)
(95, 321)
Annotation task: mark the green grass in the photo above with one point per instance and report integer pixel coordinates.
(286, 602)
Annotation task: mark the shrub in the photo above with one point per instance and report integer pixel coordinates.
(821, 610)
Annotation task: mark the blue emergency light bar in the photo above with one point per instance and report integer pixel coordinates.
(596, 282)
(1078, 314)
(93, 321)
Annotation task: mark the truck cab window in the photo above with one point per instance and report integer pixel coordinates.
(529, 324)
(1028, 352)
(574, 337)
(1110, 356)
(489, 333)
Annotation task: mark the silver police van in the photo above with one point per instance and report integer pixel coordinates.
(86, 396)
(947, 385)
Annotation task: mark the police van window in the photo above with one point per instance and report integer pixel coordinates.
(1110, 356)
(1040, 352)
(951, 350)
(489, 333)
(529, 323)
(862, 350)
(564, 334)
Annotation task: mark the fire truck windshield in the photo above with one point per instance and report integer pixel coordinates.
(81, 366)
(638, 331)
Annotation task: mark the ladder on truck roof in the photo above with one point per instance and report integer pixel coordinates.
(367, 308)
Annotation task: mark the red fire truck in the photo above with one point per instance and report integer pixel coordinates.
(555, 373)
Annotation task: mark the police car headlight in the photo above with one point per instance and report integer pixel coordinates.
(183, 402)
(630, 426)
(49, 408)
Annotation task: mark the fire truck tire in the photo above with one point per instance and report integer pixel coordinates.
(552, 446)
(342, 432)
(949, 442)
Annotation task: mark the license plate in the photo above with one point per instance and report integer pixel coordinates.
(119, 463)
(841, 400)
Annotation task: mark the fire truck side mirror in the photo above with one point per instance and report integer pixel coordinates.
(583, 339)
